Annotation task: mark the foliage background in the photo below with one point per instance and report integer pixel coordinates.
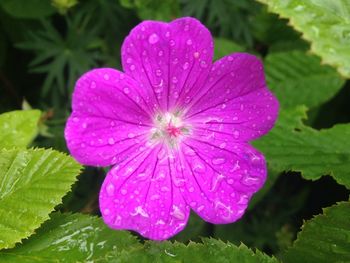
(46, 45)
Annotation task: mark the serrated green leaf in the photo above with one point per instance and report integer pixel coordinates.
(297, 78)
(18, 128)
(71, 238)
(322, 22)
(224, 47)
(325, 238)
(32, 183)
(210, 250)
(28, 8)
(292, 146)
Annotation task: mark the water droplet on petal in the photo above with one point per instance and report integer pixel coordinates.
(123, 191)
(172, 42)
(76, 119)
(189, 42)
(218, 160)
(106, 212)
(160, 53)
(236, 134)
(132, 67)
(174, 80)
(196, 54)
(131, 135)
(177, 213)
(153, 38)
(110, 189)
(158, 72)
(93, 85)
(186, 65)
(203, 64)
(111, 141)
(106, 76)
(126, 90)
(200, 208)
(229, 58)
(222, 145)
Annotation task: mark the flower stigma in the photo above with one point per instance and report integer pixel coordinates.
(169, 128)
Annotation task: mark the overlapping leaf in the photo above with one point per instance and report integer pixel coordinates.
(71, 238)
(325, 238)
(297, 78)
(32, 183)
(18, 128)
(291, 145)
(81, 238)
(324, 23)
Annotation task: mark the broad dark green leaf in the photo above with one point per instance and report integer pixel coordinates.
(298, 78)
(32, 183)
(292, 146)
(71, 238)
(325, 238)
(18, 128)
(210, 250)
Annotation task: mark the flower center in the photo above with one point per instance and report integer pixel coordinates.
(170, 128)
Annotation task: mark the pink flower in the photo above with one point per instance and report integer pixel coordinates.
(176, 128)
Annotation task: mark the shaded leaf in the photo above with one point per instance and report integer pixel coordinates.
(224, 47)
(210, 250)
(298, 78)
(18, 128)
(32, 183)
(70, 238)
(322, 22)
(325, 238)
(28, 8)
(292, 146)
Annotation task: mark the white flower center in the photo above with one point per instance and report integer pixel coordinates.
(170, 128)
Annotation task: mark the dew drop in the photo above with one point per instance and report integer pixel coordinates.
(200, 208)
(172, 42)
(76, 119)
(106, 212)
(126, 90)
(106, 76)
(160, 53)
(131, 135)
(236, 134)
(218, 160)
(196, 54)
(185, 65)
(203, 64)
(229, 58)
(111, 141)
(186, 28)
(93, 85)
(189, 42)
(222, 145)
(153, 38)
(110, 189)
(158, 72)
(174, 80)
(132, 67)
(123, 191)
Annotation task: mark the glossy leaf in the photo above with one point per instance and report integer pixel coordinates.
(292, 146)
(32, 183)
(298, 78)
(325, 238)
(18, 128)
(71, 238)
(210, 250)
(322, 22)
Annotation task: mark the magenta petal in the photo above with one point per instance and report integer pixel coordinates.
(171, 60)
(235, 99)
(221, 178)
(139, 195)
(109, 119)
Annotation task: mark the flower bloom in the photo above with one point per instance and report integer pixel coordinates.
(176, 128)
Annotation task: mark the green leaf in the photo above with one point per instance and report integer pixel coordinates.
(18, 128)
(32, 183)
(224, 47)
(322, 22)
(210, 250)
(70, 238)
(154, 9)
(292, 146)
(28, 8)
(325, 238)
(297, 78)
